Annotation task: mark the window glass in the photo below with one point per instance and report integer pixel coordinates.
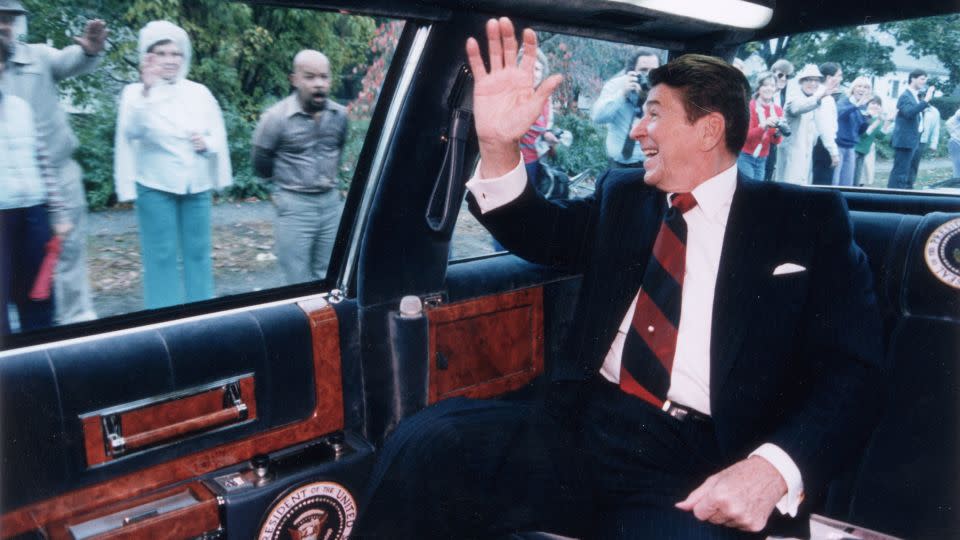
(182, 151)
(582, 131)
(872, 106)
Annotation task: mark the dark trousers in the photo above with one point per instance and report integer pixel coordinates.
(915, 165)
(24, 233)
(483, 469)
(771, 164)
(822, 167)
(900, 173)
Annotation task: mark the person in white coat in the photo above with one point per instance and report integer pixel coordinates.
(796, 153)
(171, 152)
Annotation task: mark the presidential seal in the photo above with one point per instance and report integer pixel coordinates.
(942, 253)
(315, 511)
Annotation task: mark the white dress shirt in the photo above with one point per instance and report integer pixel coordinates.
(690, 377)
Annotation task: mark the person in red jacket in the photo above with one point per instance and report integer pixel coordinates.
(765, 128)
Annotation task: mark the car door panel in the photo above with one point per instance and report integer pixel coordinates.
(487, 346)
(286, 359)
(144, 517)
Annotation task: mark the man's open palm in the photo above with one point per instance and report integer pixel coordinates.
(505, 103)
(94, 37)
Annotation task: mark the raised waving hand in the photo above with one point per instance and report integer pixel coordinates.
(505, 103)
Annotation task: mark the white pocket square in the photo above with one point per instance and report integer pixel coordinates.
(788, 268)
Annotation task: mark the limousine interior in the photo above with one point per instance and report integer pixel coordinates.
(253, 414)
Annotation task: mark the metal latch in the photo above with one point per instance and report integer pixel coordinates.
(233, 398)
(432, 300)
(335, 296)
(115, 444)
(113, 433)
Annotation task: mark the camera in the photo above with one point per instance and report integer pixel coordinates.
(783, 128)
(642, 80)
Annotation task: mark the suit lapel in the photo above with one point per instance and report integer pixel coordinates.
(642, 222)
(749, 238)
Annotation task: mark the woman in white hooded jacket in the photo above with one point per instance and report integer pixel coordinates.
(170, 153)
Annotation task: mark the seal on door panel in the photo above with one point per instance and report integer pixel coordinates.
(314, 511)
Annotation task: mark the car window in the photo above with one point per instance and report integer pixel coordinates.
(583, 129)
(205, 152)
(872, 106)
(841, 129)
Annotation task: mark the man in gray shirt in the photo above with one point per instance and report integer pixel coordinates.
(298, 144)
(32, 74)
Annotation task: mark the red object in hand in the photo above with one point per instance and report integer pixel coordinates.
(41, 285)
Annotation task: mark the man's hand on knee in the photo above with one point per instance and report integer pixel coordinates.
(741, 496)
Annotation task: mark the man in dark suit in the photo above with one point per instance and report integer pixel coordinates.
(723, 360)
(907, 129)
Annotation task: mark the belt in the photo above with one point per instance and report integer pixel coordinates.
(679, 412)
(682, 413)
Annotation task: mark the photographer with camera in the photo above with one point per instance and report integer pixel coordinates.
(767, 128)
(620, 103)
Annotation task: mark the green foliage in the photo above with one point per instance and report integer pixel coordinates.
(584, 63)
(356, 131)
(937, 36)
(884, 150)
(947, 105)
(240, 128)
(856, 52)
(859, 53)
(95, 153)
(587, 151)
(242, 53)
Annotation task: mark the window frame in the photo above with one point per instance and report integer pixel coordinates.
(346, 245)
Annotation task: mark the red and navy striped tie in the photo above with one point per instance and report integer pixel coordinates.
(652, 338)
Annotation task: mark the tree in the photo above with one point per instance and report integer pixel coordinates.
(584, 63)
(853, 48)
(242, 53)
(935, 36)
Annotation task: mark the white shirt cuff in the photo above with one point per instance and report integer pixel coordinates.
(789, 503)
(492, 193)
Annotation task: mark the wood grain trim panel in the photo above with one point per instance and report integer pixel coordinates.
(188, 522)
(326, 417)
(93, 440)
(163, 421)
(151, 418)
(492, 345)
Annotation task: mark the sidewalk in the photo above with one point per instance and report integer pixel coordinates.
(243, 245)
(243, 258)
(931, 170)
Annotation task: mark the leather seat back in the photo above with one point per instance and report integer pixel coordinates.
(906, 481)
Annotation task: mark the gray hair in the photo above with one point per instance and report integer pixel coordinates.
(783, 66)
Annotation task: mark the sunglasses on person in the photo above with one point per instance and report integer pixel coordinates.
(782, 75)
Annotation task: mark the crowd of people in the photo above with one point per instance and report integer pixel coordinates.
(815, 132)
(170, 156)
(805, 127)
